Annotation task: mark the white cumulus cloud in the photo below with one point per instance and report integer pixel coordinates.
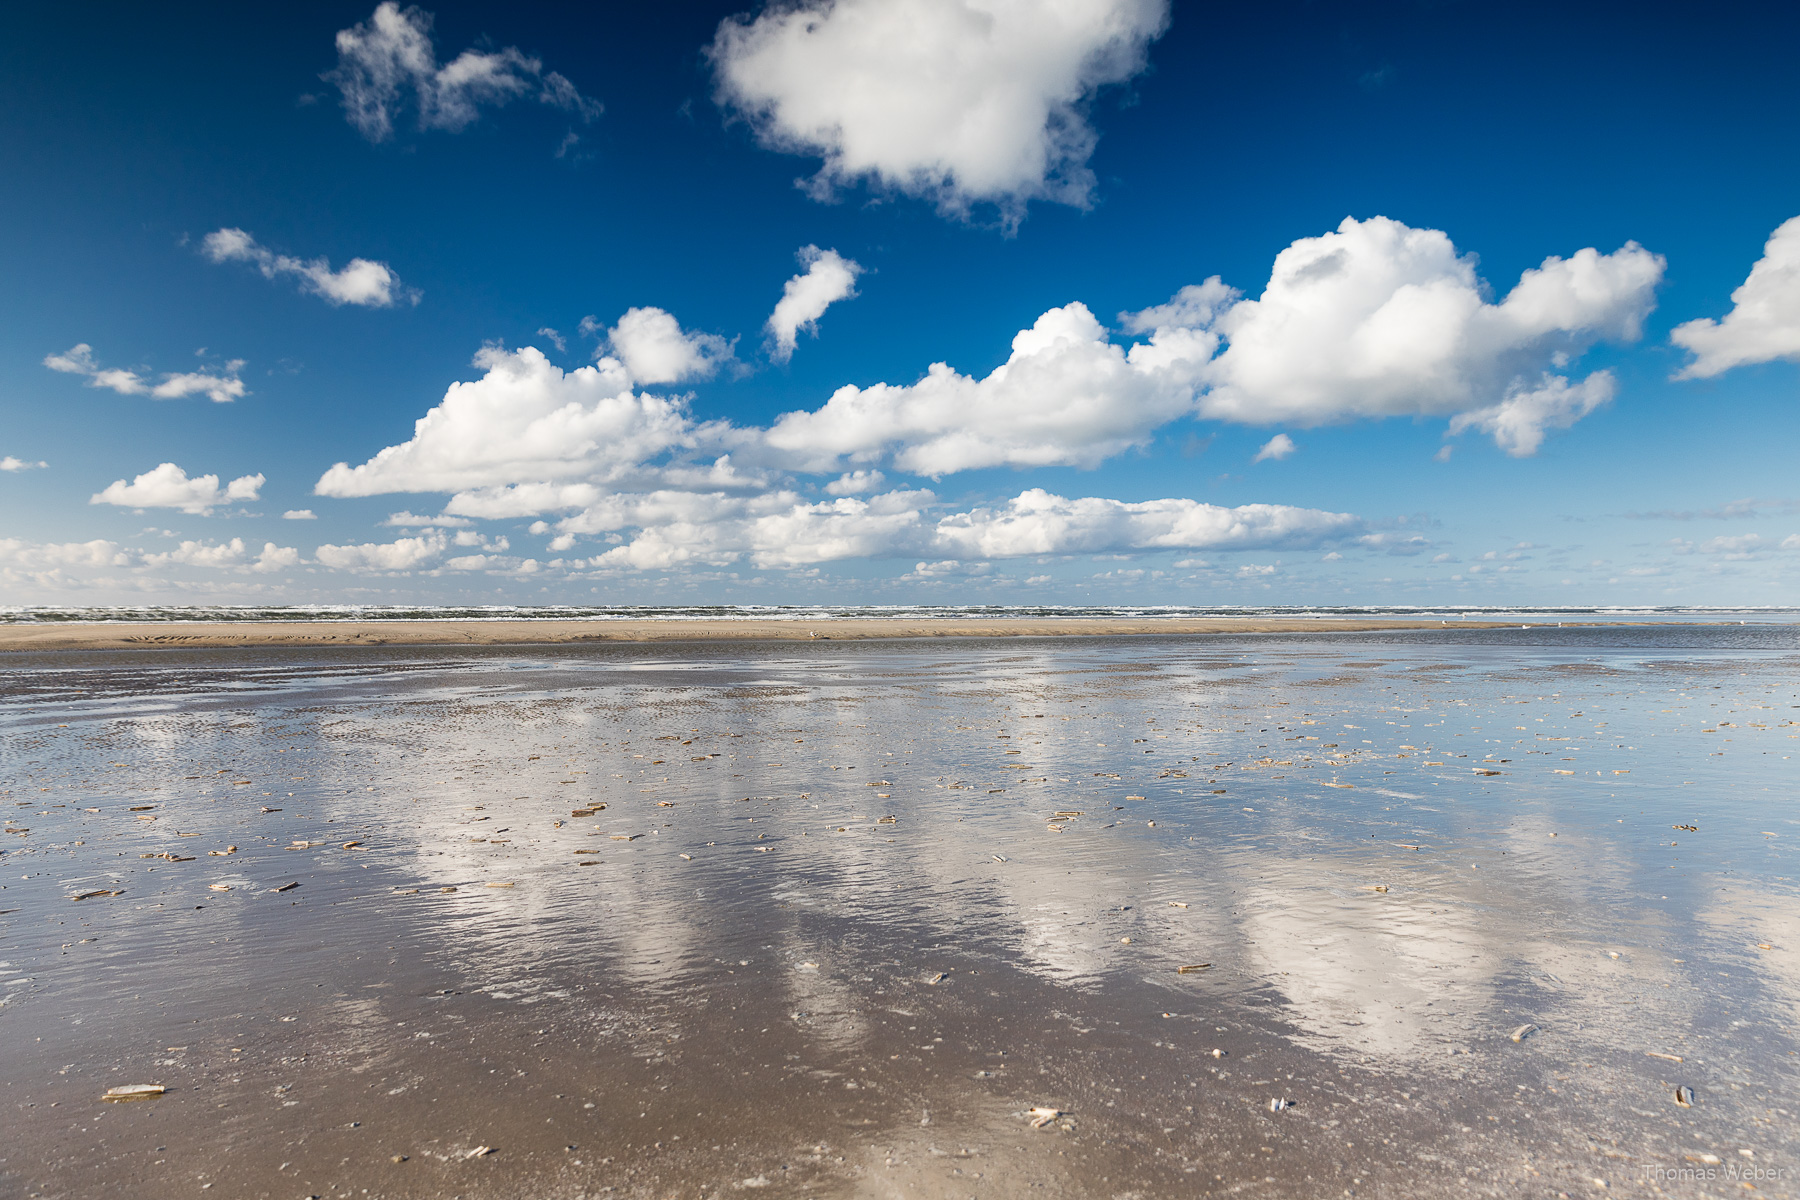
(399, 555)
(1277, 448)
(1764, 321)
(1066, 396)
(1039, 522)
(360, 281)
(168, 486)
(299, 514)
(671, 529)
(525, 421)
(221, 387)
(1378, 319)
(963, 102)
(1373, 320)
(18, 554)
(655, 349)
(829, 277)
(226, 555)
(275, 558)
(855, 483)
(9, 463)
(948, 568)
(389, 61)
(1519, 421)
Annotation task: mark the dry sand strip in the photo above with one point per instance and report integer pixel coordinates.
(222, 634)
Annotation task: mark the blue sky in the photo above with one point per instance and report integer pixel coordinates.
(244, 247)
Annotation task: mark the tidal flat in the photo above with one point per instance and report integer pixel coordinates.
(1461, 912)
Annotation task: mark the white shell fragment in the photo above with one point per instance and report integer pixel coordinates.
(1523, 1032)
(1684, 1096)
(134, 1091)
(1041, 1117)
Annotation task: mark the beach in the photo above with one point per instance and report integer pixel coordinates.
(125, 635)
(1401, 912)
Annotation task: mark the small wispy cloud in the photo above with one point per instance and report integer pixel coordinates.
(221, 386)
(829, 277)
(1277, 448)
(1735, 510)
(389, 61)
(1740, 548)
(407, 520)
(361, 281)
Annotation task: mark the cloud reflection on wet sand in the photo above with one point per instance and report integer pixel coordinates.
(928, 959)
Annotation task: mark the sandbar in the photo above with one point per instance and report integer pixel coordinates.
(226, 634)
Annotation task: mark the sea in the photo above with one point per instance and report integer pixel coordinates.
(100, 614)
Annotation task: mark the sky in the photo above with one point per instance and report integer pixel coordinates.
(900, 301)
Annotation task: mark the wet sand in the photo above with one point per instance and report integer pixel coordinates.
(805, 919)
(218, 634)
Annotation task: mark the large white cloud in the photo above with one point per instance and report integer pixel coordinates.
(1038, 522)
(1764, 321)
(389, 60)
(72, 564)
(402, 554)
(524, 421)
(225, 555)
(360, 281)
(961, 101)
(168, 486)
(15, 553)
(1378, 319)
(776, 528)
(781, 529)
(1066, 396)
(221, 387)
(1373, 320)
(829, 277)
(655, 349)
